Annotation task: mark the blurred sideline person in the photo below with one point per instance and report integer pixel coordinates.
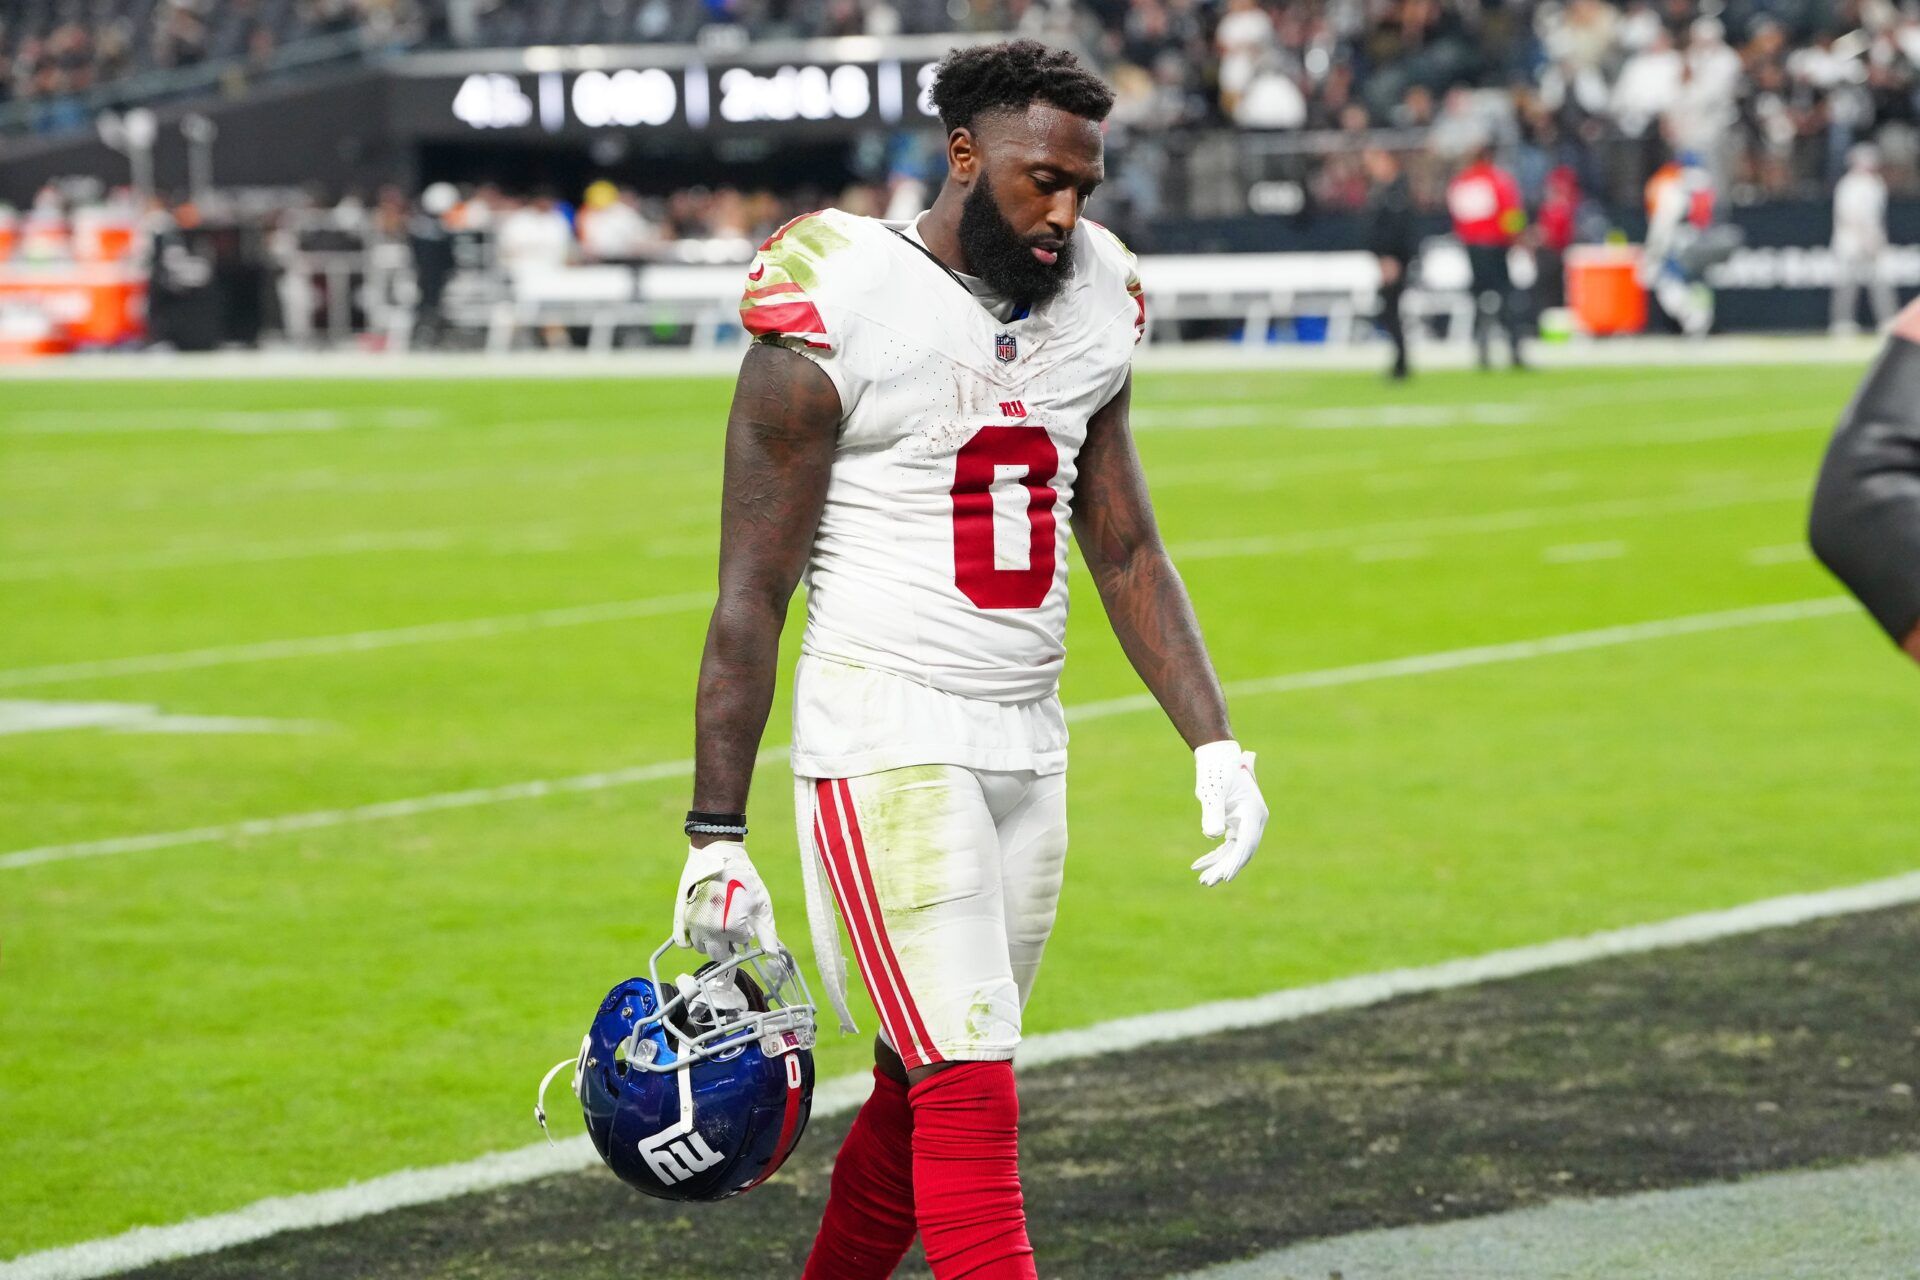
(1865, 524)
(430, 243)
(907, 381)
(1484, 201)
(611, 226)
(1859, 238)
(1683, 240)
(1393, 241)
(1554, 233)
(535, 237)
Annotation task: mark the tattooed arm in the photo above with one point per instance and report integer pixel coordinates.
(780, 440)
(1144, 597)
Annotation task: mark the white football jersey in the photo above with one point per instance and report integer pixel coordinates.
(937, 603)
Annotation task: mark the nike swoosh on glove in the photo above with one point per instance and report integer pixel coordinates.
(722, 905)
(1230, 806)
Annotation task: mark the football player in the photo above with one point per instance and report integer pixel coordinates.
(1865, 524)
(928, 408)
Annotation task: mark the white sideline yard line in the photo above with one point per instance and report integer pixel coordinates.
(1509, 521)
(222, 421)
(1583, 552)
(1391, 552)
(1246, 413)
(534, 538)
(1786, 553)
(235, 553)
(1253, 407)
(355, 641)
(1648, 353)
(143, 1246)
(1531, 444)
(1488, 655)
(1683, 386)
(1794, 1225)
(1326, 678)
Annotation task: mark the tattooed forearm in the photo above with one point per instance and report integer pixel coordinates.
(780, 440)
(1144, 597)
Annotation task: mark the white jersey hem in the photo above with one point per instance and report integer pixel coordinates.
(879, 760)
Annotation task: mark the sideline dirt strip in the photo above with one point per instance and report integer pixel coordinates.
(1360, 673)
(145, 1245)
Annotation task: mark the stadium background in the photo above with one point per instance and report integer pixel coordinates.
(346, 670)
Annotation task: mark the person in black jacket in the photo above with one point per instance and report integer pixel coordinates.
(1865, 523)
(1392, 239)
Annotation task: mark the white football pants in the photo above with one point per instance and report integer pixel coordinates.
(947, 879)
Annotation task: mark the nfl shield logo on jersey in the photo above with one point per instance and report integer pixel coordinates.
(1006, 348)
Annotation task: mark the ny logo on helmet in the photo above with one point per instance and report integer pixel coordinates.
(675, 1159)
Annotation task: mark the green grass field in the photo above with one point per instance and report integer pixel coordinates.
(193, 1025)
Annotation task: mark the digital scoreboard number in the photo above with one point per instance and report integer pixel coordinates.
(696, 97)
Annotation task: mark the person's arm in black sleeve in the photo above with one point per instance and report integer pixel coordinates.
(1377, 231)
(1865, 523)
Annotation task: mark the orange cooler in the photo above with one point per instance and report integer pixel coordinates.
(1603, 289)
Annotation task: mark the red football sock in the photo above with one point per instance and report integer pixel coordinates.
(966, 1173)
(869, 1220)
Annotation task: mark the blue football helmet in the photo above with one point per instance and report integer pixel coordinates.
(699, 1088)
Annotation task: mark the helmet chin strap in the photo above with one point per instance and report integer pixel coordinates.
(540, 1099)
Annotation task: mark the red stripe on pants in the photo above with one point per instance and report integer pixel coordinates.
(860, 908)
(865, 873)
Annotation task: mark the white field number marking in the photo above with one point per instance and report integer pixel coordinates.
(28, 716)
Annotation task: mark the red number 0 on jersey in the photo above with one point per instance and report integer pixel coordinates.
(973, 476)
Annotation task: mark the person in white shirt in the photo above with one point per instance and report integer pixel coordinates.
(1243, 37)
(1271, 99)
(535, 236)
(1859, 240)
(1649, 85)
(612, 228)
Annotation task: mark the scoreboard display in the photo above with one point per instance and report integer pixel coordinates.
(691, 98)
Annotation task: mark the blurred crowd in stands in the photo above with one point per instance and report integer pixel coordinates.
(605, 223)
(610, 223)
(60, 49)
(1773, 93)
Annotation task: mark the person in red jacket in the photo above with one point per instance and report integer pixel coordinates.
(1488, 218)
(1553, 235)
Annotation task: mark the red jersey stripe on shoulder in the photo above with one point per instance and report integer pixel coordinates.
(786, 319)
(785, 227)
(771, 290)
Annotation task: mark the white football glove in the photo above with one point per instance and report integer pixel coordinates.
(1230, 806)
(722, 905)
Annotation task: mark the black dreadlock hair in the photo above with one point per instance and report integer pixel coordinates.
(1013, 76)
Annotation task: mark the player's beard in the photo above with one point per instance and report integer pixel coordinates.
(1004, 259)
